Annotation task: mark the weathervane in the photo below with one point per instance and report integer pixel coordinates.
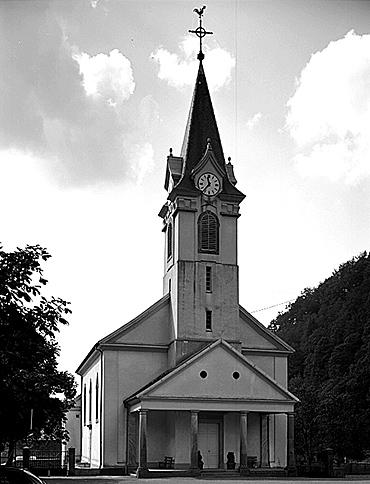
(200, 31)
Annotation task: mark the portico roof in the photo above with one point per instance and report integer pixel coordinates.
(217, 378)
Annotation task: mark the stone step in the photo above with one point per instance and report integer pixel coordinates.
(268, 472)
(219, 474)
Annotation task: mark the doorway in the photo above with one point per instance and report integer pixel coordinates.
(209, 443)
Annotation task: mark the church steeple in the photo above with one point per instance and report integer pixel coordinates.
(200, 225)
(202, 131)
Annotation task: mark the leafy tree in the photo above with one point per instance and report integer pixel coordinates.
(329, 327)
(29, 378)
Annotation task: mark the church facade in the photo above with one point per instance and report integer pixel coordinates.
(195, 381)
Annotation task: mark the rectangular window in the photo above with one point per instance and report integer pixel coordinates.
(209, 279)
(208, 320)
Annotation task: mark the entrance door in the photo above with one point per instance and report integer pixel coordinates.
(208, 444)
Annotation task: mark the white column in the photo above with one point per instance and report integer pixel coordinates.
(265, 440)
(143, 463)
(243, 443)
(194, 439)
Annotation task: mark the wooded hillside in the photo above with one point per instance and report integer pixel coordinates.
(329, 328)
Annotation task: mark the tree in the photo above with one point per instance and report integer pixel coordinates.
(29, 378)
(329, 327)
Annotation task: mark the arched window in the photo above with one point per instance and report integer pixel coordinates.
(84, 405)
(97, 398)
(169, 241)
(208, 233)
(90, 402)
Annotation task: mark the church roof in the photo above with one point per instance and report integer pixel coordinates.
(156, 335)
(201, 130)
(269, 335)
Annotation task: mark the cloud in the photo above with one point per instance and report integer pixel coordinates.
(180, 70)
(329, 113)
(107, 76)
(254, 120)
(141, 159)
(70, 108)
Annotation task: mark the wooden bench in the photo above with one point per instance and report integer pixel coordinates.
(167, 463)
(251, 461)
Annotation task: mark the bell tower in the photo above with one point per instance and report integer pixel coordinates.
(200, 226)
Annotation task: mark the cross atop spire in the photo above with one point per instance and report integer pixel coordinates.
(200, 31)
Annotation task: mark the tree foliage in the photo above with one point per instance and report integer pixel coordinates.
(329, 328)
(29, 377)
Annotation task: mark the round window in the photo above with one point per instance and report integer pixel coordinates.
(203, 374)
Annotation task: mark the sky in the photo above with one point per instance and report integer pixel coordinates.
(94, 93)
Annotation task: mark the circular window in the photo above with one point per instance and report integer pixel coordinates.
(236, 375)
(203, 374)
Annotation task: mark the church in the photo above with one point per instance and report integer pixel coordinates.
(195, 383)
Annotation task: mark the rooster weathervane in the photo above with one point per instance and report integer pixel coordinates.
(200, 31)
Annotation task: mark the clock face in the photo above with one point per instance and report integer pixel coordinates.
(209, 184)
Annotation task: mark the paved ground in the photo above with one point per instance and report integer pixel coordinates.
(191, 480)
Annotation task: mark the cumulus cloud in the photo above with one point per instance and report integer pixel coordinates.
(254, 120)
(107, 76)
(179, 70)
(68, 107)
(329, 113)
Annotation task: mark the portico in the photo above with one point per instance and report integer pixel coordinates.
(182, 424)
(214, 443)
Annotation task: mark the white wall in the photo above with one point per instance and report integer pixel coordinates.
(182, 438)
(124, 373)
(158, 435)
(90, 451)
(73, 426)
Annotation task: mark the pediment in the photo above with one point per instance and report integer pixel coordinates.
(152, 327)
(217, 372)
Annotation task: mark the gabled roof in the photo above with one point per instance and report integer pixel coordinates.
(114, 337)
(260, 328)
(200, 128)
(158, 387)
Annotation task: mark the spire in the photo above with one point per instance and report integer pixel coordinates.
(202, 131)
(201, 126)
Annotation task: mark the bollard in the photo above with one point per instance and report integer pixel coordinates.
(71, 461)
(26, 457)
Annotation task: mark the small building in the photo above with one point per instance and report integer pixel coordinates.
(195, 372)
(73, 426)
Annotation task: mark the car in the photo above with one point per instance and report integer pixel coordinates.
(14, 475)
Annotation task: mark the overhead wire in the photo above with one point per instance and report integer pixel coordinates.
(273, 306)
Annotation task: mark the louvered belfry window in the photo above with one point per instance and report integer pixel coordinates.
(208, 233)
